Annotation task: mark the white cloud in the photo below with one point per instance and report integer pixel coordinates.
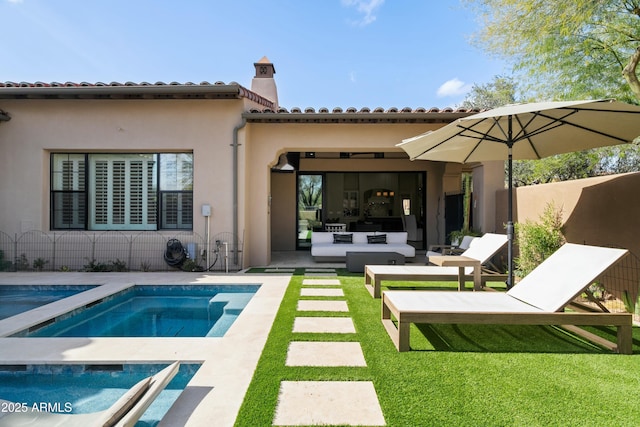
(366, 7)
(14, 1)
(453, 87)
(352, 76)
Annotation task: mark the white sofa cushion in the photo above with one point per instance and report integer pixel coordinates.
(322, 244)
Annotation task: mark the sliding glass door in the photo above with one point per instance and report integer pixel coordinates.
(309, 202)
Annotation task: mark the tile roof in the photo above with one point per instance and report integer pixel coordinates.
(131, 90)
(339, 110)
(353, 115)
(113, 84)
(221, 90)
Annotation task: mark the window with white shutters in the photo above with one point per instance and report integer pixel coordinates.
(123, 191)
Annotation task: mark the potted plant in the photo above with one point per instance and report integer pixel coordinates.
(455, 237)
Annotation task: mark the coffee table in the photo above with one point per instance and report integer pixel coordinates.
(357, 260)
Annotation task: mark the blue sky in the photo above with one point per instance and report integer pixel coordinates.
(327, 53)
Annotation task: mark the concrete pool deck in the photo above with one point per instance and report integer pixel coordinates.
(215, 392)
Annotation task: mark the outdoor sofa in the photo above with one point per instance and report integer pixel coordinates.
(328, 246)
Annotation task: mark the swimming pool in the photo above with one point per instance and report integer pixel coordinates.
(153, 311)
(82, 389)
(16, 299)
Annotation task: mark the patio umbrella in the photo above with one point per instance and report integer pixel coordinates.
(527, 131)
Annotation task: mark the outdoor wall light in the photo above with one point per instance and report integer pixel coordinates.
(283, 165)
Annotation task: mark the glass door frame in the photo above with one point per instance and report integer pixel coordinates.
(313, 219)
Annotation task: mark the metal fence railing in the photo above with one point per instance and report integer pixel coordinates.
(618, 289)
(115, 251)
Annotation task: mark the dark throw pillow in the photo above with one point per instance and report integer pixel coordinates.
(342, 238)
(377, 238)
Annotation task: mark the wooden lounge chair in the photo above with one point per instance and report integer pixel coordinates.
(465, 243)
(124, 413)
(482, 249)
(538, 299)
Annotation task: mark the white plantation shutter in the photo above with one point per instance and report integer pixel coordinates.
(151, 196)
(177, 210)
(123, 192)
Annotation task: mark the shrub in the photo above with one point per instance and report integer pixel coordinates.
(456, 236)
(629, 304)
(536, 241)
(95, 267)
(118, 265)
(5, 265)
(22, 263)
(39, 263)
(191, 265)
(100, 267)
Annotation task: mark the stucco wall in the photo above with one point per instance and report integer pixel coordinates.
(486, 178)
(597, 211)
(38, 127)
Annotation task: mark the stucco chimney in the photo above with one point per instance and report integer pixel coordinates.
(263, 83)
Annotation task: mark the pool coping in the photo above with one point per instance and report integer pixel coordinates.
(215, 392)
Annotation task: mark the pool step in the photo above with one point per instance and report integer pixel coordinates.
(227, 307)
(229, 303)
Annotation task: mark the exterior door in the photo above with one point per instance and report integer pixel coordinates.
(309, 202)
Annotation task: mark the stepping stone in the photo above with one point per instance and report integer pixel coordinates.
(335, 325)
(320, 270)
(311, 403)
(318, 305)
(280, 270)
(321, 282)
(320, 274)
(314, 353)
(321, 292)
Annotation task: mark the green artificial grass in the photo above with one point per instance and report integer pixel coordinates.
(484, 375)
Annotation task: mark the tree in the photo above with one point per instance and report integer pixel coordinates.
(310, 194)
(583, 164)
(619, 159)
(567, 49)
(501, 91)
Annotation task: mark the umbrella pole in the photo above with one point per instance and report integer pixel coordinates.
(510, 228)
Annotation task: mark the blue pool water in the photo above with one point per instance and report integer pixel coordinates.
(88, 388)
(15, 299)
(154, 311)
